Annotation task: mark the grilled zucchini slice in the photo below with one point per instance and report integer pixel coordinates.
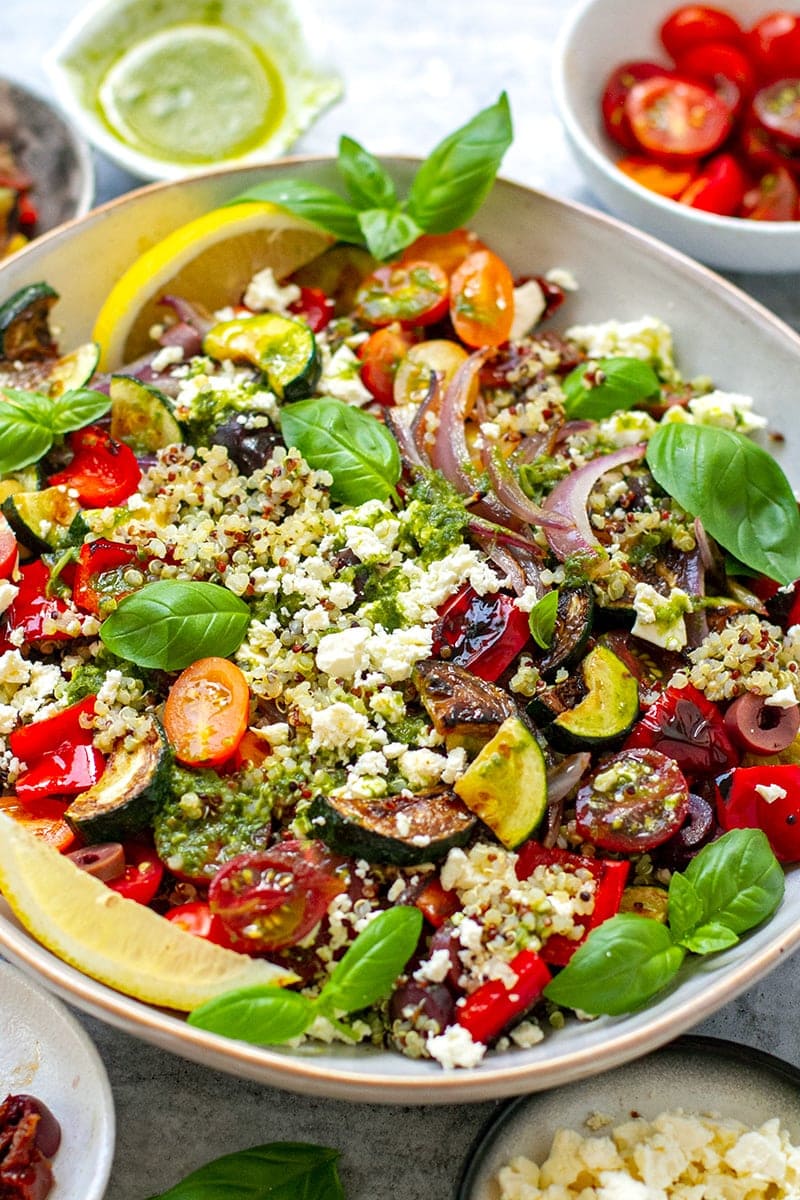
(403, 830)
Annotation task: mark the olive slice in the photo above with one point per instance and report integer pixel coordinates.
(760, 727)
(105, 861)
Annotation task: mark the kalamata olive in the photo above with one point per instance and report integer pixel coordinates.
(48, 1131)
(105, 861)
(699, 827)
(247, 447)
(429, 1001)
(760, 727)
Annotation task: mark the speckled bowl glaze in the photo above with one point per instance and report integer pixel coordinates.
(623, 274)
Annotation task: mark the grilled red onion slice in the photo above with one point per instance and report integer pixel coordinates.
(409, 452)
(509, 493)
(449, 451)
(505, 562)
(419, 426)
(570, 496)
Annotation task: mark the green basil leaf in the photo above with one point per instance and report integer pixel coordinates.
(710, 938)
(620, 967)
(266, 1016)
(738, 879)
(373, 962)
(736, 489)
(76, 408)
(596, 390)
(317, 204)
(542, 619)
(387, 231)
(369, 185)
(171, 623)
(685, 911)
(457, 176)
(26, 431)
(357, 449)
(278, 1171)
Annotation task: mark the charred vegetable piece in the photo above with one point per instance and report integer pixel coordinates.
(465, 710)
(594, 710)
(141, 416)
(690, 728)
(50, 375)
(25, 323)
(41, 520)
(285, 350)
(121, 804)
(571, 631)
(506, 785)
(403, 830)
(635, 801)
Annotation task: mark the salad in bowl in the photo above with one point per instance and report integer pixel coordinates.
(387, 657)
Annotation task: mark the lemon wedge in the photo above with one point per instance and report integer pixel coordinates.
(210, 260)
(121, 943)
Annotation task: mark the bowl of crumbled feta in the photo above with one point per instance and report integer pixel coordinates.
(373, 672)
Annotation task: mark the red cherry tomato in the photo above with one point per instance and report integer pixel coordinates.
(686, 726)
(142, 876)
(773, 46)
(103, 472)
(757, 148)
(671, 182)
(197, 918)
(677, 118)
(764, 797)
(314, 307)
(694, 24)
(777, 110)
(9, 551)
(615, 93)
(274, 898)
(207, 711)
(634, 801)
(723, 67)
(482, 300)
(719, 188)
(774, 198)
(447, 250)
(381, 355)
(414, 293)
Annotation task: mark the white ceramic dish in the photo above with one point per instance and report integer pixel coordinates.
(45, 1052)
(598, 36)
(696, 1074)
(621, 274)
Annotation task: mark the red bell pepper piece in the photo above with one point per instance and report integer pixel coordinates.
(686, 726)
(102, 472)
(32, 609)
(747, 799)
(493, 1006)
(99, 573)
(436, 903)
(63, 772)
(314, 307)
(142, 876)
(611, 876)
(482, 633)
(30, 742)
(9, 551)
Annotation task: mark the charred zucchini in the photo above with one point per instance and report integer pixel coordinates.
(41, 520)
(506, 785)
(465, 710)
(141, 416)
(124, 799)
(605, 711)
(51, 375)
(285, 350)
(403, 830)
(25, 323)
(573, 624)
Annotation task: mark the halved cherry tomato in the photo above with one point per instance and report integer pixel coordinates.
(66, 771)
(207, 711)
(197, 918)
(314, 307)
(719, 188)
(483, 633)
(665, 181)
(694, 24)
(777, 110)
(482, 300)
(274, 898)
(633, 802)
(757, 148)
(774, 198)
(9, 550)
(773, 45)
(412, 293)
(381, 355)
(765, 798)
(439, 356)
(251, 749)
(447, 250)
(676, 117)
(615, 93)
(716, 63)
(436, 903)
(683, 724)
(142, 876)
(99, 574)
(103, 472)
(43, 818)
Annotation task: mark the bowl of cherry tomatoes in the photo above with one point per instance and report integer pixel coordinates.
(685, 119)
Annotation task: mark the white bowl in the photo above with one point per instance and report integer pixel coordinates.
(598, 36)
(624, 274)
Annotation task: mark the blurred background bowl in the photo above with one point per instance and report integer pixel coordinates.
(598, 36)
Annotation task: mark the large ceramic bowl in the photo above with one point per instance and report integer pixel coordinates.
(622, 274)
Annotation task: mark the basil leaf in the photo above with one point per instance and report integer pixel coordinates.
(542, 619)
(369, 185)
(23, 439)
(736, 489)
(738, 879)
(76, 408)
(710, 938)
(318, 204)
(279, 1171)
(685, 911)
(265, 1016)
(373, 962)
(387, 231)
(596, 390)
(171, 623)
(455, 179)
(622, 964)
(359, 451)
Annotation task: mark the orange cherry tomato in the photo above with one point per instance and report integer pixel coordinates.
(482, 300)
(447, 250)
(695, 24)
(207, 712)
(44, 818)
(677, 118)
(665, 181)
(381, 355)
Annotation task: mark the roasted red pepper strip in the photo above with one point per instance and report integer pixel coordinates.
(32, 609)
(683, 724)
(482, 633)
(63, 772)
(611, 876)
(143, 874)
(765, 798)
(9, 551)
(97, 559)
(314, 307)
(30, 742)
(493, 1006)
(102, 472)
(43, 818)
